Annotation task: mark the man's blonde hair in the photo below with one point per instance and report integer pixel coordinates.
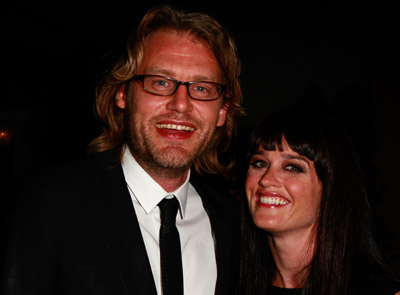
(201, 26)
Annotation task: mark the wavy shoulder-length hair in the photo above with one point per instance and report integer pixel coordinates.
(344, 239)
(201, 26)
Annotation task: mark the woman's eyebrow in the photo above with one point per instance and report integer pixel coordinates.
(259, 153)
(300, 158)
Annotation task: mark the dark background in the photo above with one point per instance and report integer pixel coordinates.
(339, 55)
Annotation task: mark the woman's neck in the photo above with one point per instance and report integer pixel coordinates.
(292, 254)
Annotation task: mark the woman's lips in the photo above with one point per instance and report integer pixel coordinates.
(271, 199)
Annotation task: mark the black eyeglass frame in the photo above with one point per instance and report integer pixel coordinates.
(222, 87)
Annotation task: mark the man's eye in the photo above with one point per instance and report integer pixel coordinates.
(201, 89)
(161, 83)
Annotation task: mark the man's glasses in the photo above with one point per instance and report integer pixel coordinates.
(165, 86)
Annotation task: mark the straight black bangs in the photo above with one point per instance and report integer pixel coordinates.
(304, 132)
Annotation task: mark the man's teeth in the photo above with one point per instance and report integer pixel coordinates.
(175, 127)
(273, 201)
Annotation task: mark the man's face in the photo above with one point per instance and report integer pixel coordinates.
(166, 133)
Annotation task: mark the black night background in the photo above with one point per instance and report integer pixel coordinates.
(338, 55)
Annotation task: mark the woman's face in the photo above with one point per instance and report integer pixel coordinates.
(283, 191)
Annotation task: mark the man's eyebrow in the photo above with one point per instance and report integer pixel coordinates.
(168, 73)
(157, 71)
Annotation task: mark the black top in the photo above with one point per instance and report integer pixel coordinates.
(372, 285)
(284, 291)
(376, 284)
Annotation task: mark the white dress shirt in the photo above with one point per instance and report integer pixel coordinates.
(197, 244)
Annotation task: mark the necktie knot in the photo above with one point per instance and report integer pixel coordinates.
(168, 209)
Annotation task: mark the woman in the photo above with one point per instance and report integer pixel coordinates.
(308, 231)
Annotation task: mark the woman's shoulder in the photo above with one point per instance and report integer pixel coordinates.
(379, 283)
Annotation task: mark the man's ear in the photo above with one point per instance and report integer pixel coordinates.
(120, 98)
(222, 114)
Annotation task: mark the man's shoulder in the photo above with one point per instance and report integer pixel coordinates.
(69, 179)
(214, 189)
(211, 183)
(68, 191)
(79, 168)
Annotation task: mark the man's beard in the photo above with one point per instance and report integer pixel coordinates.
(168, 161)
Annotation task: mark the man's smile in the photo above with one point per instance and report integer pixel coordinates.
(175, 127)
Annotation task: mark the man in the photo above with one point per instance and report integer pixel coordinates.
(93, 227)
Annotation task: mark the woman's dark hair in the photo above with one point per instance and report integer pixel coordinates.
(344, 239)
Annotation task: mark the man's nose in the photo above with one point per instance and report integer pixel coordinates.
(180, 101)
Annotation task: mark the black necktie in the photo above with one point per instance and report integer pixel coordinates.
(170, 249)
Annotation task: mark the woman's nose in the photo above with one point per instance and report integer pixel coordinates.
(269, 177)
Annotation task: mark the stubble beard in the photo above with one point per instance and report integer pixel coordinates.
(166, 162)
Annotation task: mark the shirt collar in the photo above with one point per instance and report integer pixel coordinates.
(147, 191)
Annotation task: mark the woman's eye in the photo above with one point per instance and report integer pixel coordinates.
(294, 168)
(258, 164)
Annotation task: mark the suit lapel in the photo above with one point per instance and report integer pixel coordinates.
(117, 222)
(222, 215)
(114, 213)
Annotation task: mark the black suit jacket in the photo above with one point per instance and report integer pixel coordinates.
(76, 232)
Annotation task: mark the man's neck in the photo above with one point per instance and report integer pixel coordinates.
(168, 183)
(170, 179)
